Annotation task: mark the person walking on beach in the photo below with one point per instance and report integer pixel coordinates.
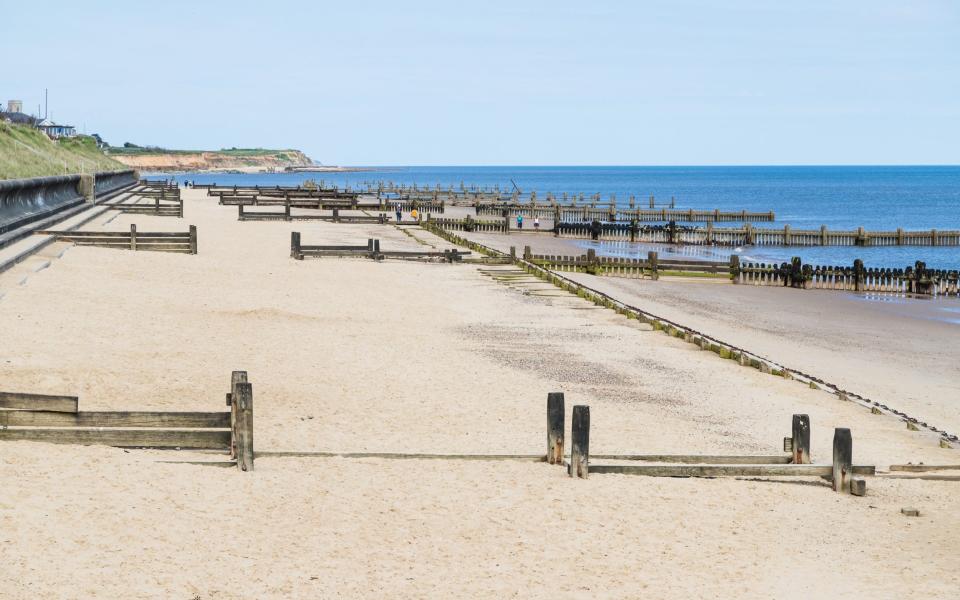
(399, 212)
(520, 221)
(414, 215)
(536, 223)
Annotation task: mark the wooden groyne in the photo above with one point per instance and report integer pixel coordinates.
(635, 268)
(371, 250)
(162, 241)
(917, 279)
(612, 213)
(750, 236)
(58, 420)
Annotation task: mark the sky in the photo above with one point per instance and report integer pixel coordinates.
(679, 82)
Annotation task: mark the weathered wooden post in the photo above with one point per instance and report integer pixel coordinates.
(336, 214)
(735, 268)
(295, 245)
(653, 261)
(235, 378)
(842, 460)
(133, 237)
(286, 207)
(555, 420)
(513, 252)
(180, 204)
(243, 398)
(801, 439)
(156, 204)
(193, 239)
(527, 253)
(376, 249)
(580, 442)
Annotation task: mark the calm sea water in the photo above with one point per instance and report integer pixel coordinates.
(877, 198)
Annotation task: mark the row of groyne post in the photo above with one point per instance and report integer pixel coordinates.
(609, 222)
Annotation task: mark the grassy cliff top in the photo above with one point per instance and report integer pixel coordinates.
(226, 151)
(26, 152)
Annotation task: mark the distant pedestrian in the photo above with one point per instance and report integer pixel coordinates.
(415, 215)
(399, 212)
(520, 221)
(536, 223)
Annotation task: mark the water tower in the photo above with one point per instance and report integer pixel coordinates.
(15, 106)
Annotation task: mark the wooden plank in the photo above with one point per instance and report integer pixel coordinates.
(702, 459)
(22, 401)
(704, 470)
(119, 234)
(168, 420)
(124, 438)
(923, 468)
(400, 456)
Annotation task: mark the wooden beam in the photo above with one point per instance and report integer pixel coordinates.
(243, 399)
(124, 438)
(923, 468)
(705, 470)
(801, 439)
(236, 377)
(168, 420)
(22, 401)
(842, 460)
(555, 424)
(580, 442)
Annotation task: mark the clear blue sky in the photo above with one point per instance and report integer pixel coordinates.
(491, 82)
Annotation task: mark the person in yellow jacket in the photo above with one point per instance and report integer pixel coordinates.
(414, 215)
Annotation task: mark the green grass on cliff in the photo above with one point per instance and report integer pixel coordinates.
(25, 152)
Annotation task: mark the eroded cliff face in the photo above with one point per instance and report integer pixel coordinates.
(215, 161)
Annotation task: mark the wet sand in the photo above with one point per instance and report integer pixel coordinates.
(352, 355)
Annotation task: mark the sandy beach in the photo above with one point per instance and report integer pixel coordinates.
(352, 355)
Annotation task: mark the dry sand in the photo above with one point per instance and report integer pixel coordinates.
(349, 355)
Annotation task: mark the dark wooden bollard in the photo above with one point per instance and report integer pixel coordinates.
(801, 439)
(286, 209)
(527, 254)
(513, 252)
(555, 417)
(653, 262)
(133, 237)
(580, 442)
(295, 245)
(842, 460)
(243, 399)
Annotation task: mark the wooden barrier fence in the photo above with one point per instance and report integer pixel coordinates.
(750, 236)
(637, 268)
(334, 217)
(471, 224)
(185, 243)
(917, 279)
(160, 207)
(299, 251)
(58, 420)
(613, 213)
(795, 464)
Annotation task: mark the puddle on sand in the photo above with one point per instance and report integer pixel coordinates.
(942, 309)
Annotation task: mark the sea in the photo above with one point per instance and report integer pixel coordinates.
(805, 197)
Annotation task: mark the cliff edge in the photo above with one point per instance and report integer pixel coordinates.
(233, 159)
